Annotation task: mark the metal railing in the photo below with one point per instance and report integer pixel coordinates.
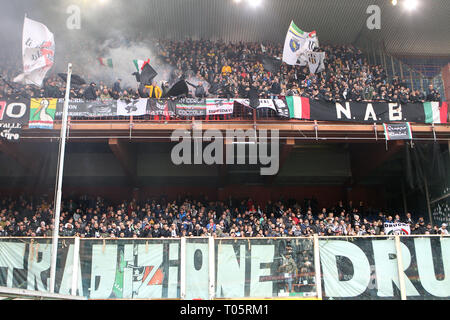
(208, 268)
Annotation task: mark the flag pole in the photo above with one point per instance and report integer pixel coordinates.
(57, 208)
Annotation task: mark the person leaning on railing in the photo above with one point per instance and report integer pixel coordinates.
(91, 93)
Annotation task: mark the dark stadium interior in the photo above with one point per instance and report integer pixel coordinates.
(329, 172)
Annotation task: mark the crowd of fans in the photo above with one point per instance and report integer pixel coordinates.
(89, 217)
(236, 70)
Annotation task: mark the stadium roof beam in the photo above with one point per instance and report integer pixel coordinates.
(364, 159)
(127, 157)
(13, 151)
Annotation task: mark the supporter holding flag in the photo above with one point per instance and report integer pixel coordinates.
(39, 42)
(147, 74)
(116, 86)
(91, 92)
(200, 91)
(293, 47)
(154, 91)
(106, 62)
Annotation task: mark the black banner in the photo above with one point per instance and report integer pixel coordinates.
(15, 111)
(378, 112)
(10, 131)
(83, 108)
(282, 107)
(157, 107)
(286, 107)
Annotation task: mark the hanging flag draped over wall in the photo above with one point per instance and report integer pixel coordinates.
(299, 107)
(13, 116)
(10, 131)
(282, 108)
(219, 106)
(106, 62)
(42, 113)
(263, 103)
(132, 108)
(397, 131)
(156, 107)
(38, 51)
(435, 112)
(293, 107)
(191, 107)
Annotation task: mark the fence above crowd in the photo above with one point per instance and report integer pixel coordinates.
(42, 113)
(379, 267)
(35, 110)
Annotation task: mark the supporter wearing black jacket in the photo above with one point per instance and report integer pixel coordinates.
(432, 94)
(275, 88)
(156, 232)
(51, 90)
(165, 232)
(116, 86)
(91, 92)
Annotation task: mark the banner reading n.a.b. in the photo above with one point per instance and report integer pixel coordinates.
(42, 113)
(371, 112)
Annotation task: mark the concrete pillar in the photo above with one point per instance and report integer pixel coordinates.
(446, 80)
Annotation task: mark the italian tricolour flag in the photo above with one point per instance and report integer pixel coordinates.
(106, 62)
(436, 112)
(299, 107)
(139, 64)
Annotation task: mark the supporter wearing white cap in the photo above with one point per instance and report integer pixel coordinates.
(443, 229)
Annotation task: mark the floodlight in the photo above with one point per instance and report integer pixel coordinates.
(410, 5)
(254, 3)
